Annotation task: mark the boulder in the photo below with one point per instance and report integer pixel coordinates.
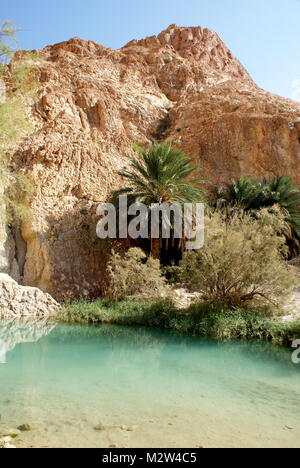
(24, 301)
(29, 427)
(5, 442)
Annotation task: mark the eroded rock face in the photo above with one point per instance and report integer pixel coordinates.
(93, 102)
(8, 262)
(236, 133)
(23, 301)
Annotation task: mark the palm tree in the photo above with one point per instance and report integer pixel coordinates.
(250, 195)
(244, 194)
(161, 174)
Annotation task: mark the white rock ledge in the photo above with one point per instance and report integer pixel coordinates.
(24, 301)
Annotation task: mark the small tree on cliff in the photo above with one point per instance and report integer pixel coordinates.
(7, 40)
(15, 187)
(161, 174)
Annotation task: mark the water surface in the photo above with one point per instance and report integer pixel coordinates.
(148, 388)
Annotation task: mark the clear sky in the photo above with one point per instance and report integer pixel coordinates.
(263, 34)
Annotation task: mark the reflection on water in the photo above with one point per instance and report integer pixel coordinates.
(2, 352)
(180, 391)
(21, 330)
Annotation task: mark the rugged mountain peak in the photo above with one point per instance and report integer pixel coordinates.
(77, 46)
(181, 60)
(196, 44)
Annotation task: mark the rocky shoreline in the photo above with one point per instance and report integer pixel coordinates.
(24, 301)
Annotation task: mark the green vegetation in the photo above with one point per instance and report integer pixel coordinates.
(13, 121)
(164, 128)
(24, 77)
(200, 319)
(242, 260)
(17, 197)
(133, 274)
(241, 273)
(160, 174)
(251, 194)
(7, 41)
(20, 80)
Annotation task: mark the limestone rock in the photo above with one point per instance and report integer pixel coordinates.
(29, 427)
(8, 262)
(5, 442)
(19, 301)
(183, 298)
(104, 427)
(5, 439)
(128, 428)
(8, 445)
(93, 102)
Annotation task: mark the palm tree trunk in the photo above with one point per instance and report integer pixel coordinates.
(156, 248)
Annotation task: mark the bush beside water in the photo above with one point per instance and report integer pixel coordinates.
(199, 319)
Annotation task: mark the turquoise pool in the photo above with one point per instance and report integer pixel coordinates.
(144, 388)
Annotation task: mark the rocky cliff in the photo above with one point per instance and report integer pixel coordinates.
(93, 102)
(24, 301)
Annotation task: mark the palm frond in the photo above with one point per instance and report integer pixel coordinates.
(251, 195)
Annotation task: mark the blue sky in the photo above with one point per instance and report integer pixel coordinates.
(263, 34)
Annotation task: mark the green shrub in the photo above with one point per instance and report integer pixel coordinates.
(164, 128)
(242, 260)
(13, 122)
(128, 312)
(17, 198)
(133, 274)
(21, 79)
(24, 76)
(7, 40)
(250, 194)
(172, 274)
(82, 311)
(15, 187)
(203, 319)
